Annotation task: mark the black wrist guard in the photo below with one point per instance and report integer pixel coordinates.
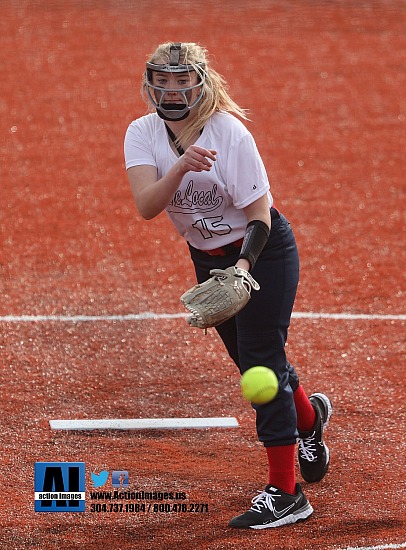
(256, 236)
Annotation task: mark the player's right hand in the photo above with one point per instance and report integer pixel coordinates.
(197, 159)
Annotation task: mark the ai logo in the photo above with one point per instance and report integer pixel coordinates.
(59, 487)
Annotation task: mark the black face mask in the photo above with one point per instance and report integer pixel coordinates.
(174, 111)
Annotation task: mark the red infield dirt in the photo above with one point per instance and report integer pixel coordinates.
(324, 83)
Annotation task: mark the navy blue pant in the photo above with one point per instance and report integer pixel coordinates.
(258, 333)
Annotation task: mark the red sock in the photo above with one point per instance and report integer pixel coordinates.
(281, 462)
(306, 417)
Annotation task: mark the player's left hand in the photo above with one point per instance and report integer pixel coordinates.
(219, 298)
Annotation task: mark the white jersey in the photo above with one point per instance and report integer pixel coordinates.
(207, 208)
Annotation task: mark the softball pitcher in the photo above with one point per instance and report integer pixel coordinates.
(194, 159)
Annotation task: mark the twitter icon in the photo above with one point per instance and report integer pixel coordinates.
(98, 480)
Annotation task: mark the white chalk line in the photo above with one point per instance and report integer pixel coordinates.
(155, 316)
(143, 423)
(380, 547)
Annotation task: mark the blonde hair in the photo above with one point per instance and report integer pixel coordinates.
(215, 89)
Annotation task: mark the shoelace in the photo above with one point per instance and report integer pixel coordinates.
(307, 448)
(264, 499)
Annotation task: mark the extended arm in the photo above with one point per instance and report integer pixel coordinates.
(151, 194)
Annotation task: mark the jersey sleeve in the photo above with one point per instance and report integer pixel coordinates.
(138, 145)
(247, 179)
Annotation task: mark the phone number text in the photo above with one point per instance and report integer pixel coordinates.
(155, 507)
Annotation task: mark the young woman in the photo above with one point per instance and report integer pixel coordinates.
(193, 158)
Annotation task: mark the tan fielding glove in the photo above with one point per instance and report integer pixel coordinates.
(219, 298)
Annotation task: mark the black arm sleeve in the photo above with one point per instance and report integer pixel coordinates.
(256, 236)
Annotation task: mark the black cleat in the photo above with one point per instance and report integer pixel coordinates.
(314, 455)
(274, 508)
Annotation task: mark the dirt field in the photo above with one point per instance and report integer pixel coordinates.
(324, 83)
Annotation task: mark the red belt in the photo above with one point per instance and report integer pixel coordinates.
(226, 249)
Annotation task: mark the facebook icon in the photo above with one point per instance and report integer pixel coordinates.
(119, 479)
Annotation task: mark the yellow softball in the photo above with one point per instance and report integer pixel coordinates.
(259, 385)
